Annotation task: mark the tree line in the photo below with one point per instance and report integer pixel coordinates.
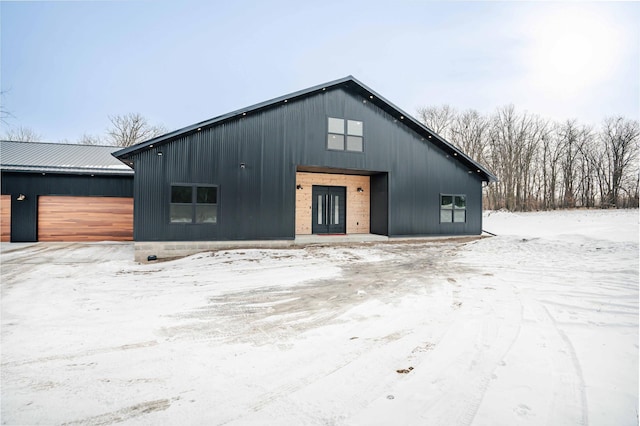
(125, 130)
(542, 164)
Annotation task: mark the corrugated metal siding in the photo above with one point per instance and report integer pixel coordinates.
(258, 202)
(24, 213)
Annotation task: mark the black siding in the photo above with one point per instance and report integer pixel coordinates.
(258, 201)
(24, 214)
(379, 204)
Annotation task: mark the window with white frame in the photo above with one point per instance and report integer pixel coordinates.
(345, 135)
(453, 208)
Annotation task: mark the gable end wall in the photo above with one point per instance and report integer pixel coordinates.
(258, 201)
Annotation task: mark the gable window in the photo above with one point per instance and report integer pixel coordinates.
(345, 135)
(453, 208)
(192, 203)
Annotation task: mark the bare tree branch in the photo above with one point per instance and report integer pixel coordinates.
(130, 129)
(22, 134)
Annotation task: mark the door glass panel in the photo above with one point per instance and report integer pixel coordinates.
(336, 213)
(320, 209)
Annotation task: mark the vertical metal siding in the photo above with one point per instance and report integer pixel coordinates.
(258, 202)
(379, 213)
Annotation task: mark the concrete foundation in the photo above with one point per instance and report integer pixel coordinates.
(173, 249)
(164, 250)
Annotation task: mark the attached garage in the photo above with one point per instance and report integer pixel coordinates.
(60, 192)
(66, 218)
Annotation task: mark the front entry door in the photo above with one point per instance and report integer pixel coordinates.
(329, 210)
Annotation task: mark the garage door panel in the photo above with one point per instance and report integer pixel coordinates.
(63, 218)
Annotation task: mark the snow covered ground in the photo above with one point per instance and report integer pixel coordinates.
(537, 326)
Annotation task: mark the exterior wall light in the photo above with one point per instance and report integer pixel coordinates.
(298, 186)
(159, 154)
(360, 189)
(243, 165)
(21, 197)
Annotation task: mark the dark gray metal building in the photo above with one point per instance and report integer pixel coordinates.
(332, 159)
(64, 192)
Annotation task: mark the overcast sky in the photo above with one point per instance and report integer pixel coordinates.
(67, 66)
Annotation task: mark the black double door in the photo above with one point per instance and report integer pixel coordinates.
(329, 210)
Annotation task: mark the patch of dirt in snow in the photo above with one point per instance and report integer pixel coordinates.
(272, 313)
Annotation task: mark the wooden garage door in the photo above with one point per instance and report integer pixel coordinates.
(63, 218)
(5, 218)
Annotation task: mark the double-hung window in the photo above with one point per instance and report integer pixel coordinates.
(345, 135)
(192, 203)
(453, 208)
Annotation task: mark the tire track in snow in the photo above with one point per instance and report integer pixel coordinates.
(491, 354)
(449, 386)
(558, 410)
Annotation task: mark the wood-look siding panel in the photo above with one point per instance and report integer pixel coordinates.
(358, 203)
(62, 218)
(5, 218)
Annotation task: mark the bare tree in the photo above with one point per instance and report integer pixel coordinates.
(22, 134)
(574, 144)
(588, 162)
(4, 112)
(619, 138)
(130, 129)
(439, 119)
(514, 143)
(551, 153)
(469, 132)
(88, 139)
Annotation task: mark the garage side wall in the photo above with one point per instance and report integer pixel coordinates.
(24, 214)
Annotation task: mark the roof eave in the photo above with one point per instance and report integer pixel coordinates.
(66, 170)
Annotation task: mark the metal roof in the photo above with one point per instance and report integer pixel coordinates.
(60, 158)
(349, 83)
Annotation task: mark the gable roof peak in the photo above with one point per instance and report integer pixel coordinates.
(349, 82)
